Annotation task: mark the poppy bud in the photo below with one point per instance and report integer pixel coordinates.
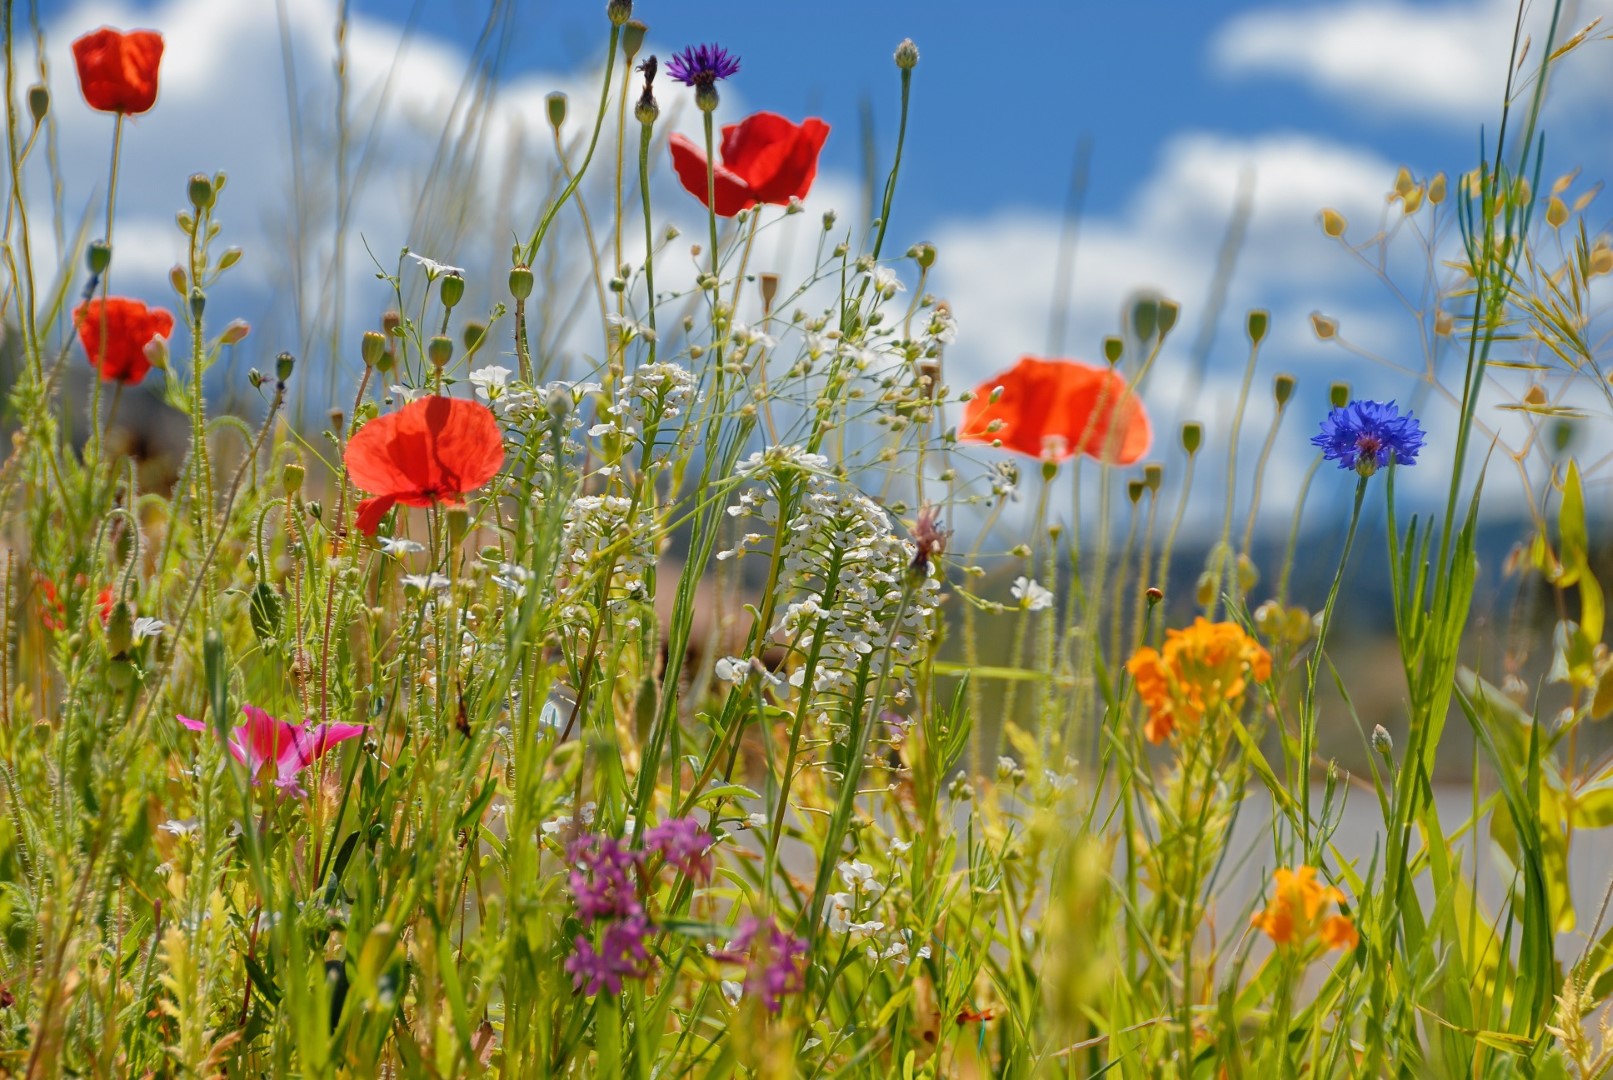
(907, 55)
(1134, 491)
(556, 103)
(291, 478)
(120, 629)
(236, 332)
(521, 282)
(1248, 574)
(372, 346)
(1168, 311)
(201, 192)
(439, 350)
(1154, 595)
(120, 673)
(38, 102)
(458, 523)
(1145, 318)
(633, 38)
(1192, 436)
(1153, 475)
(1282, 388)
(619, 11)
(283, 365)
(1050, 468)
(452, 290)
(1113, 349)
(1338, 395)
(98, 256)
(472, 335)
(1259, 322)
(385, 362)
(198, 303)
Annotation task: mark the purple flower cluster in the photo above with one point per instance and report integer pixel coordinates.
(621, 954)
(701, 65)
(1363, 435)
(776, 963)
(685, 845)
(604, 887)
(601, 878)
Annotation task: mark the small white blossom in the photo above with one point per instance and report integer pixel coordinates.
(147, 627)
(181, 826)
(435, 269)
(731, 991)
(1031, 596)
(859, 878)
(426, 582)
(407, 393)
(398, 546)
(886, 281)
(628, 329)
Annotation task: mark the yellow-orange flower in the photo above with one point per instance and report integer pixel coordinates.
(1293, 916)
(1201, 668)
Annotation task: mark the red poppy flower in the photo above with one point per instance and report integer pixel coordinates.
(430, 451)
(118, 71)
(765, 159)
(1060, 407)
(130, 327)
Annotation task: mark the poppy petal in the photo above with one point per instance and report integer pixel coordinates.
(689, 162)
(776, 158)
(118, 71)
(1060, 407)
(371, 511)
(432, 450)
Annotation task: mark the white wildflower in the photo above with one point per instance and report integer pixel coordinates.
(1031, 596)
(435, 269)
(147, 627)
(426, 582)
(397, 546)
(731, 991)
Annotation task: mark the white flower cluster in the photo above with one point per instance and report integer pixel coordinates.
(862, 606)
(648, 397)
(598, 533)
(852, 911)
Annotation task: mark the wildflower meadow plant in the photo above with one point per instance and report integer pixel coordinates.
(647, 659)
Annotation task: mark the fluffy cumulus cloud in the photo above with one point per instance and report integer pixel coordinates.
(1444, 61)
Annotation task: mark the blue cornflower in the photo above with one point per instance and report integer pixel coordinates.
(701, 65)
(1363, 434)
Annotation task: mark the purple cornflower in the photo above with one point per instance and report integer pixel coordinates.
(601, 879)
(621, 954)
(1364, 434)
(685, 844)
(777, 964)
(701, 65)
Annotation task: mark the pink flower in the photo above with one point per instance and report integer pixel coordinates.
(290, 748)
(685, 844)
(621, 953)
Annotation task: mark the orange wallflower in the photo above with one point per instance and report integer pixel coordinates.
(1293, 915)
(1059, 408)
(1201, 668)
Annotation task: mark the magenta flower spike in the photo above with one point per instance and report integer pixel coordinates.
(290, 748)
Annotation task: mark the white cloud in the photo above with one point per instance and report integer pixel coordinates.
(1444, 61)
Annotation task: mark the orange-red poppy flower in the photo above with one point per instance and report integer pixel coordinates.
(430, 451)
(130, 327)
(765, 159)
(118, 71)
(1059, 408)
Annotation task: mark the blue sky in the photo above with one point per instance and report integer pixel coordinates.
(1318, 101)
